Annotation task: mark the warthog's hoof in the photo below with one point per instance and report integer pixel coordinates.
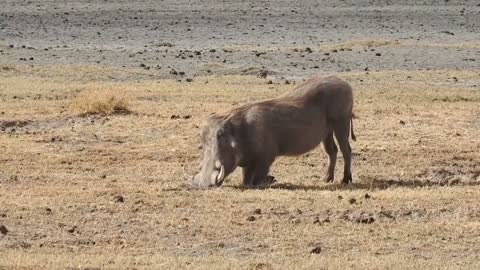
(328, 178)
(270, 180)
(347, 180)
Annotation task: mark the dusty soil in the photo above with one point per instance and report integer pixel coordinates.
(108, 191)
(242, 37)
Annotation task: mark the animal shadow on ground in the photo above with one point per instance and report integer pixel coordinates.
(375, 184)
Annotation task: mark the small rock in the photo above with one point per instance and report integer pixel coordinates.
(316, 250)
(367, 196)
(453, 182)
(269, 82)
(175, 116)
(340, 197)
(189, 80)
(366, 220)
(262, 74)
(448, 33)
(402, 122)
(72, 229)
(352, 200)
(142, 65)
(287, 82)
(319, 221)
(119, 198)
(308, 50)
(251, 218)
(257, 211)
(378, 54)
(188, 116)
(48, 211)
(3, 229)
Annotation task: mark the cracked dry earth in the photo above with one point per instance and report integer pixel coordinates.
(108, 191)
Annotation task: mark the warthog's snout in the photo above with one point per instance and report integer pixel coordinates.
(210, 178)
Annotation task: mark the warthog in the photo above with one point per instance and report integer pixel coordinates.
(253, 135)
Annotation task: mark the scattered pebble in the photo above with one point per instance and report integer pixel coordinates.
(3, 229)
(251, 218)
(316, 250)
(72, 229)
(119, 198)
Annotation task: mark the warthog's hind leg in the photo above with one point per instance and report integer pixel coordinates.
(342, 133)
(331, 149)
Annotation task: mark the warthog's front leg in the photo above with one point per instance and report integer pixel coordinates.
(257, 174)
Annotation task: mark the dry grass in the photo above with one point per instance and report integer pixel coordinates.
(103, 101)
(416, 157)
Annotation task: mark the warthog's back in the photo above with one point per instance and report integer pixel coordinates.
(299, 120)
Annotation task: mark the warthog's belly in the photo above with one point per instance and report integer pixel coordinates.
(301, 131)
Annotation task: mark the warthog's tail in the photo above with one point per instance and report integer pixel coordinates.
(354, 138)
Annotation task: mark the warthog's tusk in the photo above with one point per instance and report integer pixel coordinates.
(186, 174)
(221, 174)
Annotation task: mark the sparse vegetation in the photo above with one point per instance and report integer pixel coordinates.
(101, 100)
(109, 192)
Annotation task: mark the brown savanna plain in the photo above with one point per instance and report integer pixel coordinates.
(109, 192)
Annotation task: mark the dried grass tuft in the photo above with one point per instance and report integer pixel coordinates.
(104, 100)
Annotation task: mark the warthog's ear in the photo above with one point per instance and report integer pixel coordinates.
(229, 129)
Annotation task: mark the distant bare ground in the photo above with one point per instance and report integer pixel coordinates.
(80, 190)
(238, 37)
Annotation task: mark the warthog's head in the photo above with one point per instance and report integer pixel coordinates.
(220, 152)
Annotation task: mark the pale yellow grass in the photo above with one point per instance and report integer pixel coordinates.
(416, 156)
(104, 100)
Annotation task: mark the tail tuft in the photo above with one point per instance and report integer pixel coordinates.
(354, 138)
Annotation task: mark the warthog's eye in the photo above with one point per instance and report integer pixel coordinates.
(219, 134)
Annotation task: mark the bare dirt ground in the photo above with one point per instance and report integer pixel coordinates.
(108, 192)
